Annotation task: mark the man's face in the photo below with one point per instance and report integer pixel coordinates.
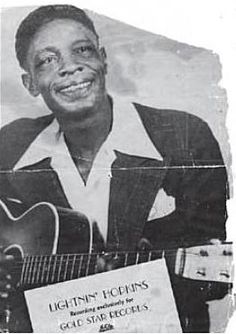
(66, 67)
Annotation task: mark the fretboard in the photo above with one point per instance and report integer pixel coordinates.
(48, 269)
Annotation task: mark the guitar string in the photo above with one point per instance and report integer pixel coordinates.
(18, 268)
(102, 254)
(46, 270)
(92, 259)
(32, 264)
(73, 266)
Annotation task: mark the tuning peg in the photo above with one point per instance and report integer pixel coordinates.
(227, 253)
(201, 271)
(203, 252)
(225, 273)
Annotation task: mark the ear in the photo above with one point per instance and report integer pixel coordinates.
(29, 84)
(103, 55)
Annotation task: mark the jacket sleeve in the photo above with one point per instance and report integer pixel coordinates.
(197, 179)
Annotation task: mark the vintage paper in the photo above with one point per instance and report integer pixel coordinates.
(133, 299)
(145, 68)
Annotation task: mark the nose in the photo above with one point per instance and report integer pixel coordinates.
(69, 66)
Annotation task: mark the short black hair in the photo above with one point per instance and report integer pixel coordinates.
(42, 15)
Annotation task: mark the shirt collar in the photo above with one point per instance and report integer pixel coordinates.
(128, 135)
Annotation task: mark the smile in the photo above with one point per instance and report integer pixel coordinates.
(74, 87)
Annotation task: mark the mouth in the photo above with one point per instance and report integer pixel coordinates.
(76, 89)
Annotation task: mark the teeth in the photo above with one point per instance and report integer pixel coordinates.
(73, 88)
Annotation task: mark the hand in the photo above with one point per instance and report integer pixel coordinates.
(107, 262)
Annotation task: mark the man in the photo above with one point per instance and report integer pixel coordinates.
(143, 177)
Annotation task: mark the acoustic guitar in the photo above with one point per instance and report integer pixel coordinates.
(52, 245)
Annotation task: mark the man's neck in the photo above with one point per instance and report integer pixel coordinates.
(84, 138)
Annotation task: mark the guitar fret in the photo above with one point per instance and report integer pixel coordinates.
(29, 269)
(149, 256)
(54, 269)
(66, 267)
(84, 266)
(87, 265)
(43, 268)
(126, 259)
(59, 269)
(23, 272)
(80, 266)
(73, 267)
(116, 257)
(38, 271)
(49, 267)
(40, 268)
(70, 264)
(34, 270)
(26, 270)
(46, 268)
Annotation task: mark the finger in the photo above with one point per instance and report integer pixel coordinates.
(110, 266)
(144, 245)
(101, 265)
(106, 263)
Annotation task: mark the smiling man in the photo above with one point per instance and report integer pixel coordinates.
(69, 73)
(142, 177)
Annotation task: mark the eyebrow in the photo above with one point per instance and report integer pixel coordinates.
(53, 49)
(47, 49)
(84, 41)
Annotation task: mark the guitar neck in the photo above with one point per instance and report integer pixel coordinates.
(48, 269)
(207, 262)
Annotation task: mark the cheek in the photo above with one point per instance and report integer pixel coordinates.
(44, 81)
(95, 65)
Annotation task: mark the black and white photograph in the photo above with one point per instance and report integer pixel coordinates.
(116, 177)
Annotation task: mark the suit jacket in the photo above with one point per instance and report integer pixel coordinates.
(192, 171)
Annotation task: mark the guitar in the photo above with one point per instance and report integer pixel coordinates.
(53, 245)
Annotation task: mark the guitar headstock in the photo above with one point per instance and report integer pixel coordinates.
(206, 263)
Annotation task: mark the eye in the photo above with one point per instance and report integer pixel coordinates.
(85, 50)
(46, 60)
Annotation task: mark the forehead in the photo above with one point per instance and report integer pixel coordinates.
(59, 33)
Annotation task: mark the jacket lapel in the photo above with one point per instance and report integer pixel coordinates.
(134, 185)
(37, 183)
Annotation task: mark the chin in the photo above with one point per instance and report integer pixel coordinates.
(60, 105)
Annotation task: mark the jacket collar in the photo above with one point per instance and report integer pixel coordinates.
(128, 135)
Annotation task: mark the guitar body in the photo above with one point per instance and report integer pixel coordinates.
(42, 230)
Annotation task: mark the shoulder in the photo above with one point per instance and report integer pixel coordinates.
(16, 136)
(178, 133)
(156, 117)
